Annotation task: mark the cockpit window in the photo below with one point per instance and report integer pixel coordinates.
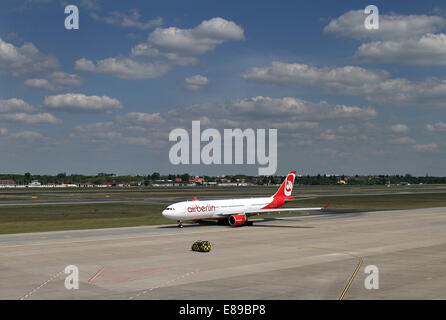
(170, 208)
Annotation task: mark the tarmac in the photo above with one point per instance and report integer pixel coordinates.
(304, 257)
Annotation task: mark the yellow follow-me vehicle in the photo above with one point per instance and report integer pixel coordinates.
(201, 246)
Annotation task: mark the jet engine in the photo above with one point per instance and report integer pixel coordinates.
(237, 220)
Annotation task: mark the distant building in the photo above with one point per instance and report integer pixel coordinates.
(162, 183)
(232, 184)
(7, 183)
(118, 184)
(102, 174)
(342, 181)
(85, 185)
(35, 183)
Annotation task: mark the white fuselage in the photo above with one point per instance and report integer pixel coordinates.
(236, 211)
(212, 209)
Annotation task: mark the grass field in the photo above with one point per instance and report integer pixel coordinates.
(36, 218)
(388, 201)
(30, 194)
(19, 219)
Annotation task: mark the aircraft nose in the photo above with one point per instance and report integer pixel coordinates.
(167, 214)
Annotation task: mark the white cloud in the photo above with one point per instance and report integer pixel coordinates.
(426, 147)
(15, 105)
(35, 118)
(141, 118)
(349, 79)
(18, 110)
(137, 140)
(403, 140)
(147, 51)
(258, 109)
(269, 106)
(374, 85)
(98, 126)
(30, 4)
(329, 135)
(76, 102)
(122, 130)
(400, 39)
(27, 60)
(342, 111)
(101, 132)
(196, 82)
(27, 135)
(402, 92)
(348, 128)
(84, 65)
(55, 81)
(428, 50)
(18, 61)
(288, 114)
(391, 26)
(125, 68)
(90, 4)
(294, 125)
(132, 121)
(400, 128)
(437, 127)
(39, 83)
(291, 116)
(166, 48)
(131, 18)
(205, 37)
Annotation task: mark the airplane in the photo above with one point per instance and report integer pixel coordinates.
(234, 211)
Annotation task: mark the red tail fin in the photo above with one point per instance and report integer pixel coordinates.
(286, 188)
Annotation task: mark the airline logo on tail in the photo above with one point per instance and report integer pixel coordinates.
(287, 186)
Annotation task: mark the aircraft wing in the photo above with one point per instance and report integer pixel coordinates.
(285, 209)
(262, 211)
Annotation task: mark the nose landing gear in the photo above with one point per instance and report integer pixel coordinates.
(180, 224)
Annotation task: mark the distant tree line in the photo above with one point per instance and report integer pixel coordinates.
(368, 180)
(320, 179)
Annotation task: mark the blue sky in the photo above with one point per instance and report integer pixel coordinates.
(104, 97)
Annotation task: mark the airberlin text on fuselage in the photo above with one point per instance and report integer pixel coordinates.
(197, 208)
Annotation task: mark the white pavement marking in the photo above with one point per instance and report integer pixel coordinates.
(37, 288)
(163, 285)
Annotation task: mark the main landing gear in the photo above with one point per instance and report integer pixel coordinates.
(180, 224)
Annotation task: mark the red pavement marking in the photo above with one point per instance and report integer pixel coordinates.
(96, 274)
